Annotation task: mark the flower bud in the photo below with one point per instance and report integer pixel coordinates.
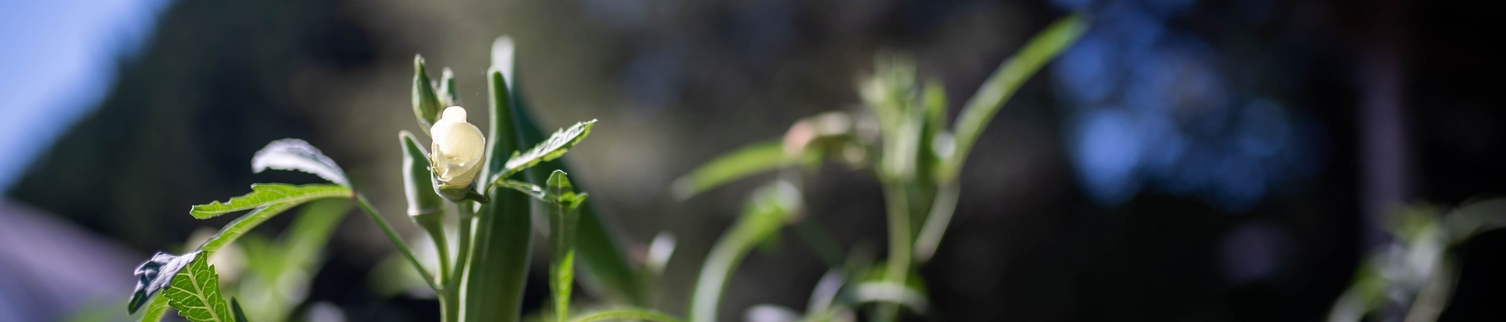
(425, 101)
(456, 152)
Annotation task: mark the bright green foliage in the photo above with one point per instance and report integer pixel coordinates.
(625, 314)
(562, 220)
(195, 292)
(269, 194)
(552, 148)
(297, 155)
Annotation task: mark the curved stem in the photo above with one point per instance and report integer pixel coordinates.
(944, 206)
(626, 314)
(402, 247)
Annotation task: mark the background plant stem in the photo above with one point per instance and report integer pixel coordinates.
(402, 247)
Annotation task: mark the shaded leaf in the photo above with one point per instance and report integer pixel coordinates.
(295, 154)
(195, 292)
(235, 307)
(264, 194)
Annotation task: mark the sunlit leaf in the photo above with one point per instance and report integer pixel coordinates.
(195, 292)
(552, 148)
(155, 275)
(263, 194)
(562, 220)
(295, 154)
(157, 305)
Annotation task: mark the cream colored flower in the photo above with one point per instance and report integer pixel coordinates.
(458, 149)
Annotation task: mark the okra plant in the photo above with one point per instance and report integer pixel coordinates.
(486, 177)
(493, 185)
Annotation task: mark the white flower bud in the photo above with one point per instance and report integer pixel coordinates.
(457, 150)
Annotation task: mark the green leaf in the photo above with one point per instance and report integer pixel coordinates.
(234, 230)
(529, 189)
(744, 162)
(770, 208)
(553, 148)
(562, 220)
(991, 96)
(265, 194)
(195, 292)
(295, 154)
(625, 314)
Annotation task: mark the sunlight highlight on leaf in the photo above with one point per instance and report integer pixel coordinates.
(295, 154)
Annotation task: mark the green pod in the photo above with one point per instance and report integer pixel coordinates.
(417, 180)
(497, 269)
(425, 101)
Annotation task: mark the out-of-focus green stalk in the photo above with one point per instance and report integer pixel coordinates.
(897, 268)
(499, 260)
(766, 213)
(995, 91)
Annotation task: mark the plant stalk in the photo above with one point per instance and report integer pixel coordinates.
(402, 247)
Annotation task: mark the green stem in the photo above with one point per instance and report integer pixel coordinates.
(462, 256)
(402, 247)
(723, 258)
(898, 265)
(943, 207)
